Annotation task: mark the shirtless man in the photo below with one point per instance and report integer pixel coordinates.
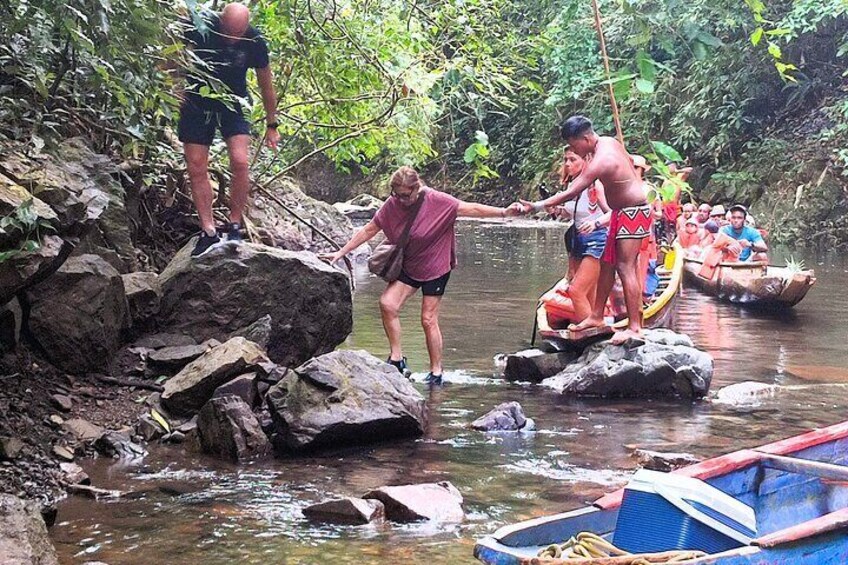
(630, 222)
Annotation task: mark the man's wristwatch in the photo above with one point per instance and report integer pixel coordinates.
(273, 125)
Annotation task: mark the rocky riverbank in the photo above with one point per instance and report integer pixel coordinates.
(92, 332)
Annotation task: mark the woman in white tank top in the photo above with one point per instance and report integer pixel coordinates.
(587, 237)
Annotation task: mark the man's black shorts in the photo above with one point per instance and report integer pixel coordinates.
(435, 287)
(199, 120)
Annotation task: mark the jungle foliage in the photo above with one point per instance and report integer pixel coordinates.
(469, 90)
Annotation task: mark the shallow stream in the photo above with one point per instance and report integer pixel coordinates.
(195, 509)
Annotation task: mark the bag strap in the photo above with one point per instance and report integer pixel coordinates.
(574, 221)
(404, 237)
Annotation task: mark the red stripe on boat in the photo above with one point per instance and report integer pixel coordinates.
(742, 458)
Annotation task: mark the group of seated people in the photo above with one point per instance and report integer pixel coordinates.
(710, 228)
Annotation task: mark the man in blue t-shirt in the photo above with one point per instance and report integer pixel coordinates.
(754, 248)
(226, 45)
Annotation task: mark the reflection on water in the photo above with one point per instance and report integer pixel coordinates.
(196, 509)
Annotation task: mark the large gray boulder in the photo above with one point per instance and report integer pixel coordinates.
(227, 428)
(231, 287)
(343, 398)
(77, 315)
(667, 364)
(440, 502)
(23, 534)
(187, 391)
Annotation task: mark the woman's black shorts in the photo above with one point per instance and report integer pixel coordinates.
(435, 287)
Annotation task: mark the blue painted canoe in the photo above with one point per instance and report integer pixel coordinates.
(798, 488)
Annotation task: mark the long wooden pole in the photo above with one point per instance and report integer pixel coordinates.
(615, 116)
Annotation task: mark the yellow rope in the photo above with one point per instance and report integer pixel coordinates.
(587, 545)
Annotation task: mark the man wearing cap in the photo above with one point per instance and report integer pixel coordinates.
(718, 215)
(754, 248)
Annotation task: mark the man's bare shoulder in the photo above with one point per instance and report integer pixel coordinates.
(608, 143)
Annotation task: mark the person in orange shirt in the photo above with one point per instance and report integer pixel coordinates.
(687, 214)
(689, 237)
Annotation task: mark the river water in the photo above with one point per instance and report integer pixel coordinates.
(194, 509)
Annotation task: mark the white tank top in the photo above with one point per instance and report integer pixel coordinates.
(588, 206)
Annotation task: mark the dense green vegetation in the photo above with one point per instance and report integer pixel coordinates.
(753, 94)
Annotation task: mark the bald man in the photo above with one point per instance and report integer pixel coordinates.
(227, 45)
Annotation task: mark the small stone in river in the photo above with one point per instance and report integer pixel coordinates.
(505, 417)
(63, 453)
(62, 402)
(355, 511)
(149, 429)
(10, 447)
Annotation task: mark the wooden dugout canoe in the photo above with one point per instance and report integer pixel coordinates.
(752, 284)
(657, 314)
(795, 486)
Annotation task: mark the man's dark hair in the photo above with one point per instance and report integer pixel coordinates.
(575, 126)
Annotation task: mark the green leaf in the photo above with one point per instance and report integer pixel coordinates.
(708, 39)
(644, 86)
(481, 137)
(470, 154)
(774, 50)
(647, 69)
(757, 36)
(666, 151)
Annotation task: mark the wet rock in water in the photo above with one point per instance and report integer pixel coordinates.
(144, 294)
(665, 462)
(259, 332)
(353, 511)
(23, 534)
(665, 365)
(78, 313)
(188, 390)
(243, 387)
(177, 357)
(505, 417)
(83, 430)
(73, 474)
(228, 429)
(534, 365)
(10, 448)
(747, 392)
(440, 502)
(344, 398)
(118, 446)
(231, 287)
(160, 340)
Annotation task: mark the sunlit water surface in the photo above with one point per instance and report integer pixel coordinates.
(195, 509)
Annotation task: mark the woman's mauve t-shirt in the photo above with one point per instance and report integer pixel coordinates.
(431, 249)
